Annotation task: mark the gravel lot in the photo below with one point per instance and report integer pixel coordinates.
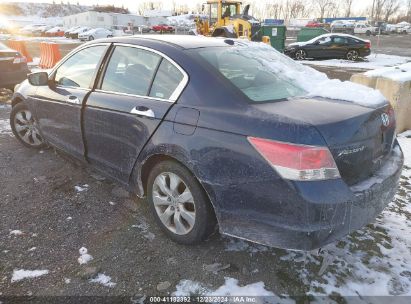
(52, 207)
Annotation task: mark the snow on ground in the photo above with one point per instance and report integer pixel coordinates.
(144, 227)
(230, 288)
(372, 62)
(5, 127)
(81, 188)
(401, 73)
(84, 257)
(16, 232)
(21, 274)
(103, 279)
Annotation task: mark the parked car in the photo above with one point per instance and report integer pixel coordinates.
(96, 33)
(403, 29)
(163, 27)
(67, 32)
(41, 30)
(342, 26)
(29, 29)
(365, 28)
(82, 29)
(250, 150)
(314, 24)
(330, 46)
(13, 67)
(57, 31)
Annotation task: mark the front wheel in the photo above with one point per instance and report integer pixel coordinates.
(300, 55)
(352, 55)
(180, 204)
(24, 127)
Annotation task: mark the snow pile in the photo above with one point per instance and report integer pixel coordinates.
(20, 274)
(315, 83)
(372, 62)
(84, 256)
(401, 73)
(103, 279)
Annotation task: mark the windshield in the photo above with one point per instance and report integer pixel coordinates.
(262, 77)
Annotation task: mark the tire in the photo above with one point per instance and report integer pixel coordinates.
(352, 55)
(110, 36)
(300, 55)
(368, 33)
(193, 212)
(90, 38)
(24, 127)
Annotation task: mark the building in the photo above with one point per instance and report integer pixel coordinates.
(109, 20)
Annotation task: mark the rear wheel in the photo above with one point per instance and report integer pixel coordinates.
(24, 127)
(90, 38)
(352, 55)
(179, 203)
(368, 33)
(300, 55)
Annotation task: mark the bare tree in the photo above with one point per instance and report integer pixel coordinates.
(347, 7)
(323, 6)
(390, 8)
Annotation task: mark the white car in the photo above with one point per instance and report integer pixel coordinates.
(96, 33)
(365, 28)
(74, 34)
(403, 29)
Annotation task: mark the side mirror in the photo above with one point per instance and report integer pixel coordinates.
(39, 79)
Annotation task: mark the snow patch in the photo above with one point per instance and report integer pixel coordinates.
(143, 226)
(401, 73)
(83, 188)
(16, 232)
(84, 256)
(21, 274)
(103, 279)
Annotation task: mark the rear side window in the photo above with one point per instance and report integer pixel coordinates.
(167, 80)
(340, 40)
(78, 70)
(130, 70)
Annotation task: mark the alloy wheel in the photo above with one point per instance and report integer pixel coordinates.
(174, 203)
(26, 128)
(300, 55)
(352, 55)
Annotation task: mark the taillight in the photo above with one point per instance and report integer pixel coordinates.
(368, 44)
(297, 162)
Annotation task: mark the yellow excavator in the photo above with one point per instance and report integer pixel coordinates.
(225, 19)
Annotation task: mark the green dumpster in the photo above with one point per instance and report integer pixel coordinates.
(308, 33)
(277, 34)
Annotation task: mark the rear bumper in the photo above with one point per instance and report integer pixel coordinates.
(322, 213)
(11, 78)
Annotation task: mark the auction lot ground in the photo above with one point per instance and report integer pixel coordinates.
(45, 220)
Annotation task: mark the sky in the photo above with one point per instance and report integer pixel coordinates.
(132, 5)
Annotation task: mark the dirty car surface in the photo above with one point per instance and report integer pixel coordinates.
(201, 130)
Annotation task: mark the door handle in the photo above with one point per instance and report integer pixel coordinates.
(73, 99)
(143, 111)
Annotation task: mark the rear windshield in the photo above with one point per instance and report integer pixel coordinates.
(261, 73)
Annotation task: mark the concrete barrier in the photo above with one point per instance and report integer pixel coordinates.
(49, 55)
(397, 92)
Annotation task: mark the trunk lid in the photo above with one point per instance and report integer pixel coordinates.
(358, 137)
(6, 60)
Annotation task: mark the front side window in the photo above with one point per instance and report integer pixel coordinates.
(78, 70)
(130, 70)
(167, 80)
(262, 74)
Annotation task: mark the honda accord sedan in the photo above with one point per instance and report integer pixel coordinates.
(330, 46)
(214, 136)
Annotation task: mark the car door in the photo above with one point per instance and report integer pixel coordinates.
(318, 49)
(58, 105)
(339, 47)
(135, 92)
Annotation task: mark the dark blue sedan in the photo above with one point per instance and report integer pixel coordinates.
(215, 138)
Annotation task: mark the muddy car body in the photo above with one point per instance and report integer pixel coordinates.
(292, 171)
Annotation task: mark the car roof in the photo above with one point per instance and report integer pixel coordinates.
(182, 41)
(340, 35)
